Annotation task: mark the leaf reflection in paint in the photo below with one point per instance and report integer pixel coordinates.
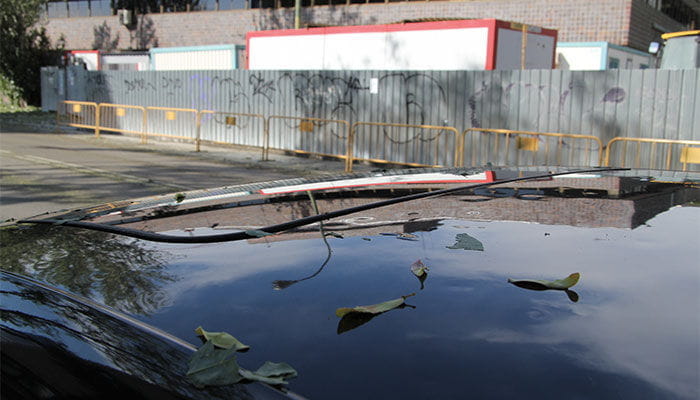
(466, 242)
(561, 284)
(354, 317)
(282, 283)
(420, 271)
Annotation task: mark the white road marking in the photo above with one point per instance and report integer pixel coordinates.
(92, 171)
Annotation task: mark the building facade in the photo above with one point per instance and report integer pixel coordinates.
(632, 23)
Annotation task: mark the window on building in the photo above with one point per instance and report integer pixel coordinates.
(679, 11)
(613, 63)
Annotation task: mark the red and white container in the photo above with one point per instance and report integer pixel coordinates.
(486, 44)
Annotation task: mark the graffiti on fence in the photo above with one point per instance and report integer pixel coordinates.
(262, 87)
(595, 102)
(323, 95)
(171, 85)
(549, 100)
(138, 85)
(98, 88)
(412, 98)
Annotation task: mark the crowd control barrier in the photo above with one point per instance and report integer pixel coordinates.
(650, 153)
(232, 128)
(403, 144)
(306, 135)
(78, 114)
(121, 118)
(176, 123)
(525, 148)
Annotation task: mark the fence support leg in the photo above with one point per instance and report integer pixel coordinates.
(266, 139)
(349, 153)
(143, 127)
(97, 121)
(198, 139)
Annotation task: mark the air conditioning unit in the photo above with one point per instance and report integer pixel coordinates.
(126, 17)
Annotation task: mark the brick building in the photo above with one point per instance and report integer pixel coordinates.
(632, 23)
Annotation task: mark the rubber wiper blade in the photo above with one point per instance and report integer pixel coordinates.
(272, 229)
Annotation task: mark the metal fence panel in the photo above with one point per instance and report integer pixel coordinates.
(122, 118)
(79, 114)
(663, 104)
(51, 93)
(232, 128)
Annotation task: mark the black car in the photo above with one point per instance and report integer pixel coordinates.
(422, 284)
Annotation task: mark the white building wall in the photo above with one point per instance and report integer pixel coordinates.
(125, 61)
(587, 58)
(164, 59)
(444, 49)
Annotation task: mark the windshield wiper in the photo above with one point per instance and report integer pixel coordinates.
(272, 229)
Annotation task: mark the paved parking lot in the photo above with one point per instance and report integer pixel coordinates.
(49, 171)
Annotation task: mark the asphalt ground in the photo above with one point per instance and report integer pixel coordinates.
(44, 170)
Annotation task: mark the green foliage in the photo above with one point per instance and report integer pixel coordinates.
(122, 274)
(466, 242)
(24, 47)
(221, 340)
(271, 373)
(10, 95)
(210, 366)
(214, 364)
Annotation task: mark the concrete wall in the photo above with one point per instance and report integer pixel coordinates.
(622, 22)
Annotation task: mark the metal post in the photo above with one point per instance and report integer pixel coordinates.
(297, 14)
(143, 127)
(266, 139)
(198, 140)
(523, 47)
(349, 151)
(97, 121)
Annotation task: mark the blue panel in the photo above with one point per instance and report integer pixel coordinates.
(581, 44)
(628, 50)
(192, 48)
(604, 57)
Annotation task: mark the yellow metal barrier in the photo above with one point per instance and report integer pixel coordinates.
(121, 118)
(687, 154)
(232, 126)
(176, 123)
(78, 114)
(424, 145)
(317, 136)
(530, 148)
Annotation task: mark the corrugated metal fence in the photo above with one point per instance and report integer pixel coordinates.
(659, 104)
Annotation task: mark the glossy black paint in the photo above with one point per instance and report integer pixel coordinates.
(633, 330)
(54, 346)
